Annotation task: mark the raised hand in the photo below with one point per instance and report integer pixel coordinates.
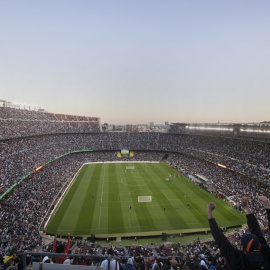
(265, 201)
(210, 208)
(244, 201)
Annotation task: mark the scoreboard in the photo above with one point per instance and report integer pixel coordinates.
(124, 152)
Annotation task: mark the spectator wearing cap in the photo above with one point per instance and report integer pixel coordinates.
(254, 253)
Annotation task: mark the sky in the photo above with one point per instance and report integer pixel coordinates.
(134, 61)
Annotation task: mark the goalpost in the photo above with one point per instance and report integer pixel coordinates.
(144, 198)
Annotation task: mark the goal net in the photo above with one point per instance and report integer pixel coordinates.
(144, 198)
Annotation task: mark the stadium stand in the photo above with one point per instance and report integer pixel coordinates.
(20, 123)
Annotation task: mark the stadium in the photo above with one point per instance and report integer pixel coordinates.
(134, 135)
(64, 174)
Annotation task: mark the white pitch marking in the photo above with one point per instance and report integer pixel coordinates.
(99, 217)
(103, 183)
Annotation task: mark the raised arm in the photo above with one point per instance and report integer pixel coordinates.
(210, 208)
(251, 220)
(266, 204)
(231, 254)
(244, 203)
(68, 244)
(215, 230)
(265, 201)
(54, 244)
(253, 223)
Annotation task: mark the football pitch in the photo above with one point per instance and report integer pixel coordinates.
(129, 199)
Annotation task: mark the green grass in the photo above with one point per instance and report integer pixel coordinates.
(98, 202)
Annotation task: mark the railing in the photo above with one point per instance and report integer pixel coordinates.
(57, 255)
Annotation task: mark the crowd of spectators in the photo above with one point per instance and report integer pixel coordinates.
(184, 257)
(21, 123)
(248, 157)
(23, 209)
(30, 115)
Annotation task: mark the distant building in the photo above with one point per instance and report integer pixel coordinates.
(129, 128)
(105, 127)
(142, 128)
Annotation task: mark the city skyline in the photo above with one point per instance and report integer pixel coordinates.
(138, 62)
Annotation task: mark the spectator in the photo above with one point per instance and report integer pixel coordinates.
(255, 253)
(174, 263)
(46, 259)
(114, 265)
(129, 265)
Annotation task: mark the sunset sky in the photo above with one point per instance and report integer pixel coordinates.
(138, 61)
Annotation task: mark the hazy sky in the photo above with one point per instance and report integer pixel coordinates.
(135, 61)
